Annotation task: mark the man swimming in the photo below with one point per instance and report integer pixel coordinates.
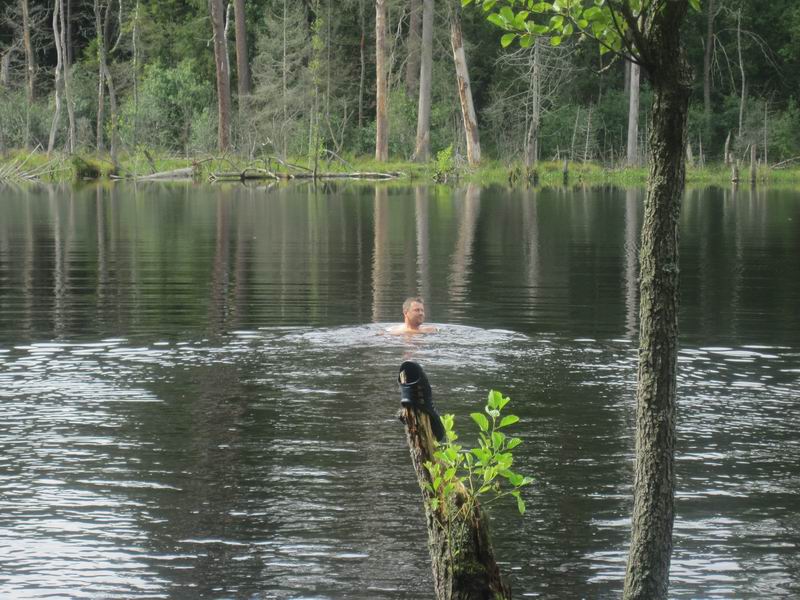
(413, 318)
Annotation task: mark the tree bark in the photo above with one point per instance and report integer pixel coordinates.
(534, 120)
(223, 76)
(101, 56)
(464, 90)
(743, 97)
(462, 558)
(422, 151)
(707, 55)
(30, 68)
(413, 45)
(59, 79)
(647, 574)
(62, 41)
(633, 117)
(381, 85)
(242, 62)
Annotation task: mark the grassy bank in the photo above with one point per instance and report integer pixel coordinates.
(60, 168)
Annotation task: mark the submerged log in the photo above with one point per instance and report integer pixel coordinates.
(264, 174)
(183, 173)
(462, 558)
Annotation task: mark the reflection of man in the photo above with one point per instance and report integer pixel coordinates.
(413, 317)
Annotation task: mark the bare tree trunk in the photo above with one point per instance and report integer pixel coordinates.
(743, 98)
(242, 63)
(766, 108)
(633, 117)
(362, 62)
(101, 88)
(727, 149)
(422, 151)
(135, 45)
(413, 45)
(284, 76)
(381, 85)
(532, 143)
(68, 34)
(707, 55)
(30, 69)
(59, 80)
(62, 40)
(5, 67)
(223, 76)
(647, 574)
(464, 90)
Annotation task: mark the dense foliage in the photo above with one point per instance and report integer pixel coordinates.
(313, 72)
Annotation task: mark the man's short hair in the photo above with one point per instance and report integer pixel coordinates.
(409, 301)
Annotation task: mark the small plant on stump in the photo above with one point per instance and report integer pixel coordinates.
(460, 477)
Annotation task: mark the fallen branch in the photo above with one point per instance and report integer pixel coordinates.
(785, 163)
(182, 173)
(250, 174)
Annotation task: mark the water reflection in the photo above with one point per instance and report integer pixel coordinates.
(197, 399)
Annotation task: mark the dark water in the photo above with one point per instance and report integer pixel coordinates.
(197, 401)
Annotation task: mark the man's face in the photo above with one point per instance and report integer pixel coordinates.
(415, 314)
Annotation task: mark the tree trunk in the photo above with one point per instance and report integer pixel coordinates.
(30, 69)
(422, 151)
(707, 56)
(462, 558)
(62, 41)
(743, 98)
(381, 85)
(413, 46)
(532, 143)
(101, 56)
(647, 575)
(242, 63)
(464, 89)
(362, 61)
(59, 81)
(223, 76)
(5, 67)
(633, 117)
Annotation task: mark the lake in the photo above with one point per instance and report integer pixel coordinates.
(198, 398)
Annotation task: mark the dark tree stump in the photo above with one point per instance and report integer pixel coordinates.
(462, 558)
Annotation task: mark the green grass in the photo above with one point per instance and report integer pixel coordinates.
(63, 168)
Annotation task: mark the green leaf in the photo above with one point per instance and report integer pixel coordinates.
(436, 483)
(520, 505)
(516, 479)
(496, 20)
(489, 5)
(497, 439)
(513, 443)
(526, 40)
(508, 420)
(481, 420)
(695, 4)
(507, 14)
(493, 400)
(449, 473)
(507, 38)
(555, 40)
(466, 2)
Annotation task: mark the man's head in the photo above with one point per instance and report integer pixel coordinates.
(413, 312)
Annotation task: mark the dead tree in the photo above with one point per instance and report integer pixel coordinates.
(462, 558)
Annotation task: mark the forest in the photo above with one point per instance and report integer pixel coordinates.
(394, 79)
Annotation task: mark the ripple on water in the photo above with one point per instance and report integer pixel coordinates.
(128, 468)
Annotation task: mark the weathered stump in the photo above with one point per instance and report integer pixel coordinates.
(462, 558)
